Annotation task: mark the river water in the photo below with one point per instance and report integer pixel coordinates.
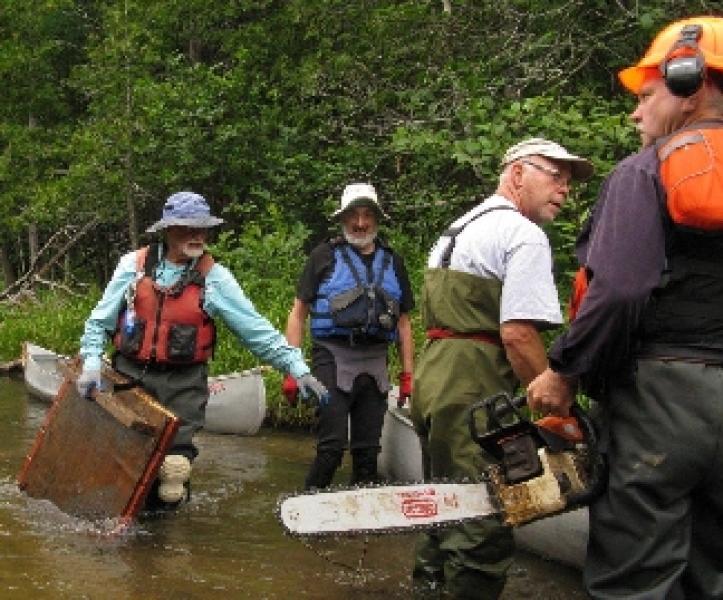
(226, 543)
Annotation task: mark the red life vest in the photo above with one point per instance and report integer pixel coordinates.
(685, 309)
(170, 325)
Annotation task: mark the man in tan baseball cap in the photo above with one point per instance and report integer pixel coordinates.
(487, 295)
(581, 168)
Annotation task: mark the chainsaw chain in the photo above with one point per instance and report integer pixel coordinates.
(390, 530)
(325, 556)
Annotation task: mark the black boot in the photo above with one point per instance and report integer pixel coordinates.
(364, 466)
(322, 469)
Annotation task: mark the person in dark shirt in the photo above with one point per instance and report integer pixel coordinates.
(647, 338)
(356, 290)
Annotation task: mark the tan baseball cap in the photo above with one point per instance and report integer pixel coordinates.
(581, 168)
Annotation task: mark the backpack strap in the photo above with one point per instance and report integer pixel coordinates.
(344, 250)
(453, 232)
(690, 134)
(386, 260)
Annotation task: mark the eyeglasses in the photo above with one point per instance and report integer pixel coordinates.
(558, 177)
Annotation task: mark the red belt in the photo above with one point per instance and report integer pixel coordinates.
(440, 333)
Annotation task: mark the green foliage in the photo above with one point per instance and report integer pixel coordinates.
(266, 259)
(53, 321)
(269, 108)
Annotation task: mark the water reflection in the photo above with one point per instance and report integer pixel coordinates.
(225, 544)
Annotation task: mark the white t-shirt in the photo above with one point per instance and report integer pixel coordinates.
(507, 246)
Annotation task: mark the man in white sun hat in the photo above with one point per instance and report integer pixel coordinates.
(160, 307)
(488, 292)
(357, 293)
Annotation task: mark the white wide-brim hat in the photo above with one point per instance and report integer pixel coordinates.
(359, 194)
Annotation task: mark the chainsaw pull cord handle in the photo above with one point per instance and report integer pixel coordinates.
(597, 474)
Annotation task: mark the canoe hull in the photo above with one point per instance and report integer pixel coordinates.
(236, 405)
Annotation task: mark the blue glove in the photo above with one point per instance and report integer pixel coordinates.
(88, 380)
(311, 389)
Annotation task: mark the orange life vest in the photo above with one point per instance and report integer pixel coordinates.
(691, 169)
(169, 324)
(579, 289)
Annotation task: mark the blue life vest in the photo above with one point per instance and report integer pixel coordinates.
(354, 303)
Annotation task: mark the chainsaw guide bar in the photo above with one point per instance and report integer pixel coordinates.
(384, 509)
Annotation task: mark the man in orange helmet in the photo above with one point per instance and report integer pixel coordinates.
(647, 338)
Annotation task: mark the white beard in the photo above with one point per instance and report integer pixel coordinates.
(360, 241)
(191, 250)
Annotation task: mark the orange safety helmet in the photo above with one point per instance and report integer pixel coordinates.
(652, 65)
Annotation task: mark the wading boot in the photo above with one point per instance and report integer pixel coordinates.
(322, 470)
(174, 476)
(364, 466)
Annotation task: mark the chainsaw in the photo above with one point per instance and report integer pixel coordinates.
(538, 469)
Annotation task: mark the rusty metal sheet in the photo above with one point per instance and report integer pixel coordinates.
(97, 459)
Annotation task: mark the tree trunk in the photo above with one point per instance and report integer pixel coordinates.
(447, 6)
(33, 243)
(8, 272)
(130, 200)
(194, 51)
(66, 269)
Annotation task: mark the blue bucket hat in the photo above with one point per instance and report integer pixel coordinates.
(187, 209)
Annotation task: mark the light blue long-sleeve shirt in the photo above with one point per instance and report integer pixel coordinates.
(223, 299)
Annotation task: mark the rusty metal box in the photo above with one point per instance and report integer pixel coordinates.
(97, 459)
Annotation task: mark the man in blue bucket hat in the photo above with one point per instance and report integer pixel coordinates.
(159, 307)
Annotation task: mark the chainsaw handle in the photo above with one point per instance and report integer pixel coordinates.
(501, 405)
(496, 407)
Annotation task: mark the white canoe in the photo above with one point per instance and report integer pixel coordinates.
(41, 371)
(236, 405)
(401, 456)
(562, 538)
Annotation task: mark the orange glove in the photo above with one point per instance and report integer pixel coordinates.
(405, 388)
(290, 390)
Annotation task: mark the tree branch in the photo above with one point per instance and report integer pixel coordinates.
(35, 271)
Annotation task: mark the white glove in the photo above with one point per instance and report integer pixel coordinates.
(311, 389)
(88, 380)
